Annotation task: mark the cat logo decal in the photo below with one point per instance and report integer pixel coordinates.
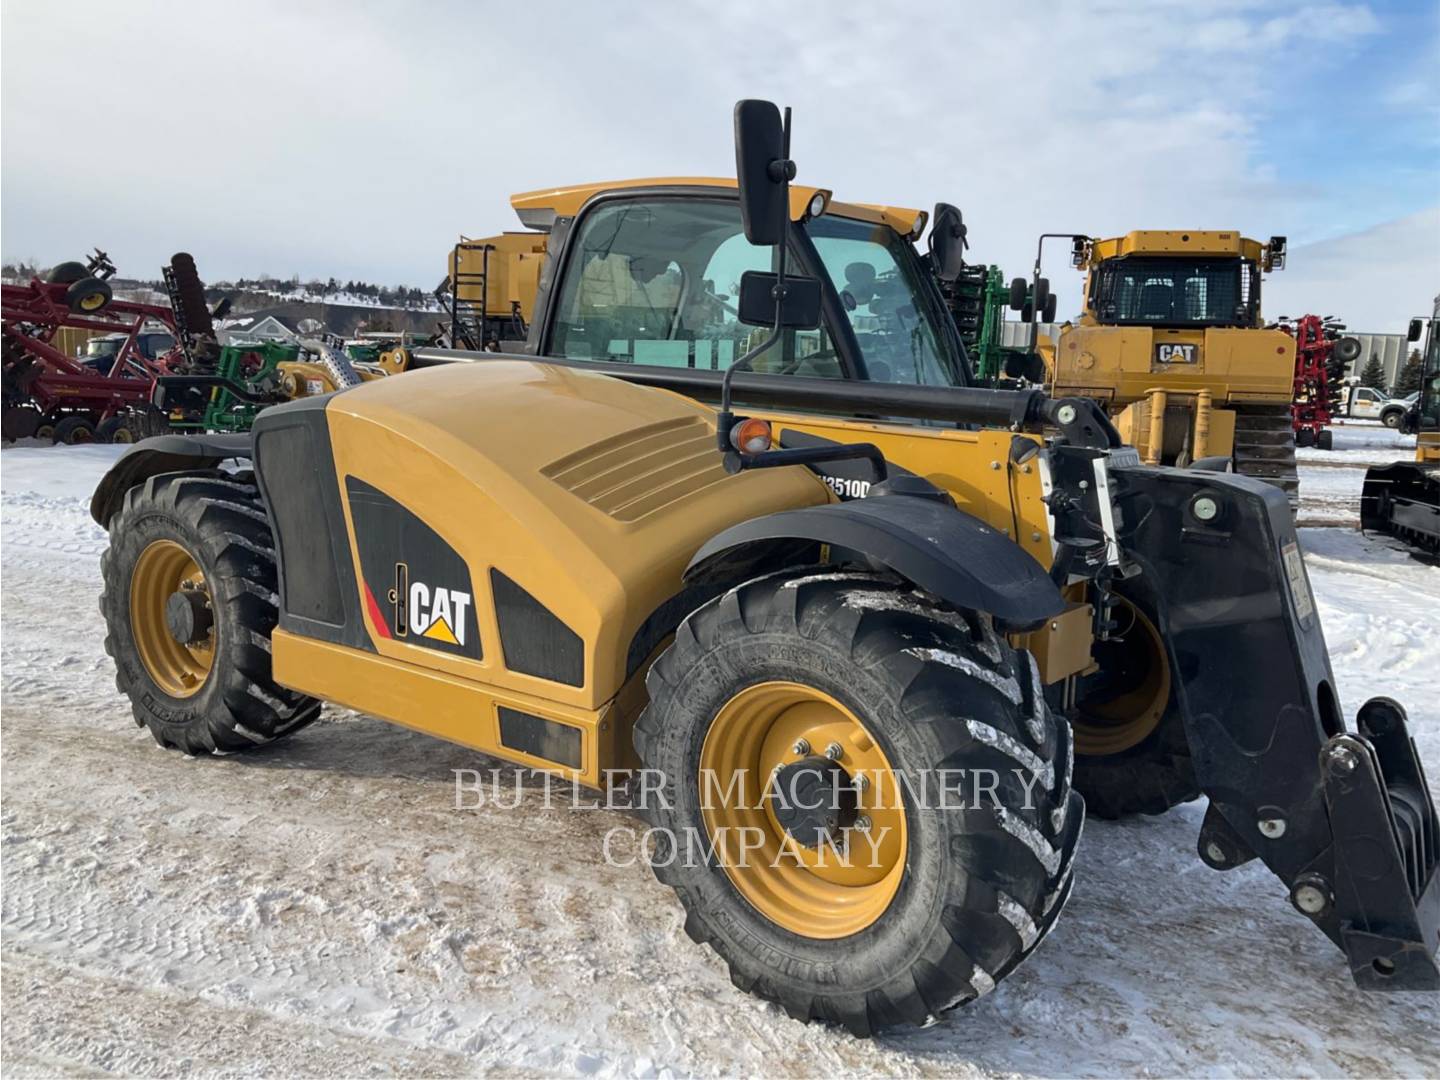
(433, 612)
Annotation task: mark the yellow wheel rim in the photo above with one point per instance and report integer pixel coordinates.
(827, 891)
(1132, 707)
(123, 435)
(165, 568)
(93, 301)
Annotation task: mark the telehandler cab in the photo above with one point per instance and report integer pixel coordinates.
(816, 619)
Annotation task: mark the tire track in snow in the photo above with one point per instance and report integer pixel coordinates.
(325, 891)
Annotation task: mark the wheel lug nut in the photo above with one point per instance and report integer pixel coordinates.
(862, 783)
(834, 751)
(862, 823)
(801, 747)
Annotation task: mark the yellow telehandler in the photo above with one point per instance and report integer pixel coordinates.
(842, 633)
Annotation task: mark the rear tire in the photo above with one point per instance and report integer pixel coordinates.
(979, 885)
(20, 422)
(88, 296)
(66, 273)
(221, 524)
(74, 431)
(113, 430)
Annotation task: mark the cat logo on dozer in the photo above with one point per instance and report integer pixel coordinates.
(1174, 354)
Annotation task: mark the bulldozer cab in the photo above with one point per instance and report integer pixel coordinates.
(1145, 281)
(1172, 340)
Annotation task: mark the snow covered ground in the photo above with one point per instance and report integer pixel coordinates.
(1330, 480)
(321, 907)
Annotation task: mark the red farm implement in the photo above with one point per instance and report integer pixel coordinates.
(1321, 354)
(78, 399)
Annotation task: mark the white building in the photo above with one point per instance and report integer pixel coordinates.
(254, 330)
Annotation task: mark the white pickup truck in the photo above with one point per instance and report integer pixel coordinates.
(1362, 402)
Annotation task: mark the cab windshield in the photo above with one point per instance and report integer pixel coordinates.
(1167, 291)
(894, 317)
(106, 346)
(656, 282)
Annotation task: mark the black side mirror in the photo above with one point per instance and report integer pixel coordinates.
(1413, 333)
(948, 242)
(800, 309)
(762, 170)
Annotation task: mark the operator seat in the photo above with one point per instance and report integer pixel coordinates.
(1157, 301)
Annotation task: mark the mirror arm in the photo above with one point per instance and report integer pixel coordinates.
(811, 455)
(1035, 282)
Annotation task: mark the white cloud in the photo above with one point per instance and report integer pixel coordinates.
(1375, 279)
(358, 139)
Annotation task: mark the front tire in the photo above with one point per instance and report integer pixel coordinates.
(885, 674)
(1132, 754)
(189, 602)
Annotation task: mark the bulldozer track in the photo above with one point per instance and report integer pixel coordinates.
(1265, 448)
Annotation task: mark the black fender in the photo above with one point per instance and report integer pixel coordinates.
(161, 454)
(947, 552)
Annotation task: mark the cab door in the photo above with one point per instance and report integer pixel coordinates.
(1365, 403)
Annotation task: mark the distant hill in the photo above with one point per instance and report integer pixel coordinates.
(342, 307)
(346, 320)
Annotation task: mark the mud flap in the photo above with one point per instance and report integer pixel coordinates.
(1344, 818)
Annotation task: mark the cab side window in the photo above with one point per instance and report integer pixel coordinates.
(657, 283)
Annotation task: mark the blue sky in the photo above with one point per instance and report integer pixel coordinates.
(1360, 119)
(359, 139)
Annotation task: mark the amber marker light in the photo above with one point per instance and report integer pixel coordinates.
(751, 436)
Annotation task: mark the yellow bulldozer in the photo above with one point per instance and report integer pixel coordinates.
(1172, 341)
(732, 528)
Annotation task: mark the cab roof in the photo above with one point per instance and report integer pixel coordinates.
(539, 209)
(1179, 242)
